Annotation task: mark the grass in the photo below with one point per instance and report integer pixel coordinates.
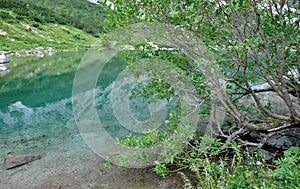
(28, 34)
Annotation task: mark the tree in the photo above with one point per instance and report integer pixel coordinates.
(257, 48)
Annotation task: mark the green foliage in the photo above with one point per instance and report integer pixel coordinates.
(31, 34)
(288, 169)
(251, 40)
(30, 24)
(144, 139)
(80, 14)
(107, 164)
(155, 87)
(235, 168)
(177, 58)
(160, 169)
(241, 170)
(155, 136)
(5, 15)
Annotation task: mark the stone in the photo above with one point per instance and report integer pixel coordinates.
(285, 141)
(4, 62)
(15, 160)
(2, 32)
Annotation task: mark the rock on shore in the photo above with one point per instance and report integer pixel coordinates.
(12, 161)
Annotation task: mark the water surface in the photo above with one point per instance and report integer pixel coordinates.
(36, 102)
(35, 105)
(36, 116)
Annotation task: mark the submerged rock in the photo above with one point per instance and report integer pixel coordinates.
(15, 160)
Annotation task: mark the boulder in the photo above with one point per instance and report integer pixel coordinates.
(15, 160)
(3, 58)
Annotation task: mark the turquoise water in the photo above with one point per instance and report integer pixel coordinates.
(37, 117)
(36, 101)
(35, 105)
(36, 110)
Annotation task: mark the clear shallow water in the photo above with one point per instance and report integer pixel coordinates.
(36, 102)
(35, 105)
(36, 116)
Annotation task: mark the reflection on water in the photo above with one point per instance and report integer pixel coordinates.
(36, 114)
(35, 105)
(36, 81)
(36, 102)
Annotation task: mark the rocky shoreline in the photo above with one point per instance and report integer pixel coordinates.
(38, 52)
(72, 164)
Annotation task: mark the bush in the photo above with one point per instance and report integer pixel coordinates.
(287, 172)
(241, 170)
(5, 15)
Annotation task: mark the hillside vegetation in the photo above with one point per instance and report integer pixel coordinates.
(60, 24)
(78, 13)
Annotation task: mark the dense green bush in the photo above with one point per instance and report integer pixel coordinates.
(250, 43)
(237, 168)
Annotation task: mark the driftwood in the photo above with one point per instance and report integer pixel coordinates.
(15, 160)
